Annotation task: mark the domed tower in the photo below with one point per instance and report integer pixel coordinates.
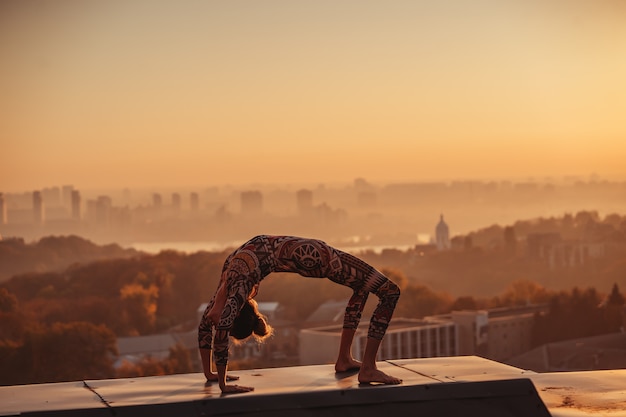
(442, 235)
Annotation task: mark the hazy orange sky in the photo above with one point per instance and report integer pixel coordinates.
(148, 93)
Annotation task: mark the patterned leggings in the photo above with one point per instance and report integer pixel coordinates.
(363, 279)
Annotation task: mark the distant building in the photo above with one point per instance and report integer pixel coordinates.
(497, 334)
(405, 338)
(52, 196)
(473, 328)
(607, 351)
(304, 201)
(176, 203)
(103, 210)
(367, 199)
(442, 235)
(251, 202)
(328, 313)
(135, 349)
(194, 202)
(76, 214)
(3, 210)
(558, 253)
(66, 195)
(157, 201)
(157, 207)
(38, 208)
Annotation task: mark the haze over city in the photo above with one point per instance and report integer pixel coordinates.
(470, 151)
(140, 93)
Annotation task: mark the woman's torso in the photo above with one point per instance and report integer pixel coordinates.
(265, 254)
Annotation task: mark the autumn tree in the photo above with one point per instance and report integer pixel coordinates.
(68, 352)
(139, 307)
(571, 316)
(614, 310)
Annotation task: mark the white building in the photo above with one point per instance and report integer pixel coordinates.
(442, 235)
(405, 338)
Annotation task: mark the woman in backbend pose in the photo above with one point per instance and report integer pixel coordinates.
(232, 311)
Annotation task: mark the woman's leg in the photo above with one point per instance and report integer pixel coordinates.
(345, 360)
(388, 295)
(363, 278)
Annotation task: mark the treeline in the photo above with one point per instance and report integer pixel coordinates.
(63, 326)
(53, 253)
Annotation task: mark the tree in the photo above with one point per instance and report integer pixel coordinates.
(523, 292)
(69, 352)
(140, 305)
(8, 301)
(464, 303)
(179, 360)
(418, 301)
(614, 310)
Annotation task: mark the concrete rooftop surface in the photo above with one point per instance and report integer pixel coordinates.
(444, 386)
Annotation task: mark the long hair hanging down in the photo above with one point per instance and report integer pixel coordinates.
(250, 322)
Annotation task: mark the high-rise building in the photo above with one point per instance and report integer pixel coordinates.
(38, 208)
(3, 210)
(75, 205)
(304, 201)
(366, 199)
(194, 201)
(66, 195)
(103, 210)
(251, 202)
(176, 202)
(52, 196)
(442, 235)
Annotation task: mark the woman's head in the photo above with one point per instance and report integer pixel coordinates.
(250, 322)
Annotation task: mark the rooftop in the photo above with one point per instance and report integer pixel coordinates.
(467, 385)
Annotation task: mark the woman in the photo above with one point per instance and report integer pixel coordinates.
(254, 260)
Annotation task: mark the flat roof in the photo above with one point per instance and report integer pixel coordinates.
(469, 385)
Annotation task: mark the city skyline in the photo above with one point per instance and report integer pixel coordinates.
(156, 93)
(362, 215)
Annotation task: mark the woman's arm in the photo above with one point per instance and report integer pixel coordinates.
(207, 361)
(221, 352)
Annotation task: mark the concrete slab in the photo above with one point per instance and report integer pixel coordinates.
(589, 393)
(434, 386)
(46, 397)
(461, 369)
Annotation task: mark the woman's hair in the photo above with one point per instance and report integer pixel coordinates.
(250, 322)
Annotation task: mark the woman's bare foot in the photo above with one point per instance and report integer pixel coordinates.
(372, 376)
(345, 365)
(213, 377)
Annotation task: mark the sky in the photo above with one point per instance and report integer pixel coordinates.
(136, 93)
